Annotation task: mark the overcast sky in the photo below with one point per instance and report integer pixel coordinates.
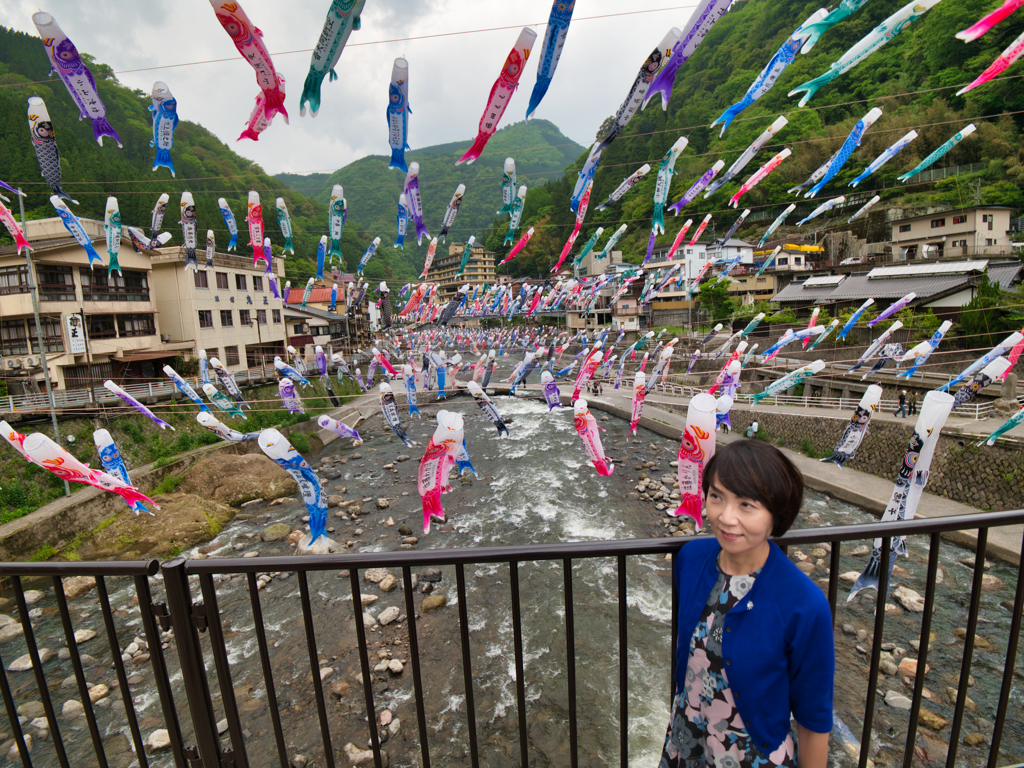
(449, 77)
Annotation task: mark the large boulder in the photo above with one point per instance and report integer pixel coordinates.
(183, 520)
(234, 480)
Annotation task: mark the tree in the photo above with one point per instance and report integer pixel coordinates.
(984, 318)
(714, 298)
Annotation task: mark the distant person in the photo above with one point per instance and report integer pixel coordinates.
(755, 634)
(751, 430)
(913, 403)
(902, 410)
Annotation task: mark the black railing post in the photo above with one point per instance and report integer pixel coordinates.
(190, 658)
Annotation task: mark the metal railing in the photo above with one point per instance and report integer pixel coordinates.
(100, 395)
(192, 610)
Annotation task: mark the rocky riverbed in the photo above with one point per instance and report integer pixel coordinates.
(537, 486)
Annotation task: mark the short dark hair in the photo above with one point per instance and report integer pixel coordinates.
(758, 470)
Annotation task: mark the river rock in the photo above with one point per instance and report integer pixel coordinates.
(969, 703)
(13, 754)
(849, 577)
(375, 575)
(990, 582)
(931, 720)
(299, 761)
(368, 621)
(357, 756)
(72, 708)
(31, 709)
(388, 615)
(980, 643)
(275, 532)
(340, 688)
(405, 530)
(158, 740)
(395, 666)
(431, 574)
(233, 480)
(862, 551)
(433, 603)
(334, 500)
(33, 596)
(24, 663)
(908, 667)
(98, 692)
(388, 583)
(897, 700)
(975, 740)
(11, 631)
(383, 503)
(184, 520)
(909, 599)
(385, 717)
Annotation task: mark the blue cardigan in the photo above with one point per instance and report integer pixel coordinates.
(777, 645)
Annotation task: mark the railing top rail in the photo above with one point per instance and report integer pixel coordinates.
(96, 568)
(583, 549)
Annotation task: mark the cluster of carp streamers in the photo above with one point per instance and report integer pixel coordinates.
(447, 448)
(542, 350)
(655, 77)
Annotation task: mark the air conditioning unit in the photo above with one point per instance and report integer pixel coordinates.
(31, 362)
(165, 337)
(14, 364)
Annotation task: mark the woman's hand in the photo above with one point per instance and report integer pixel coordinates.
(812, 748)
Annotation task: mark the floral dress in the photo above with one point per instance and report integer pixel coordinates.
(706, 728)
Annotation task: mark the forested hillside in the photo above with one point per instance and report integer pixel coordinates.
(204, 165)
(912, 79)
(541, 153)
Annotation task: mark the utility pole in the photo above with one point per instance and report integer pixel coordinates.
(39, 333)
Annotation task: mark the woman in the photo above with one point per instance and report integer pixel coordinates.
(755, 634)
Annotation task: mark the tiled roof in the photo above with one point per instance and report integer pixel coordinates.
(319, 295)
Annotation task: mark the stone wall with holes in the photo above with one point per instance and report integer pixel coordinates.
(989, 478)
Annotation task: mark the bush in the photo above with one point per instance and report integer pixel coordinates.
(168, 485)
(45, 552)
(132, 430)
(301, 442)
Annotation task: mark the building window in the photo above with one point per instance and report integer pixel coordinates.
(202, 280)
(298, 328)
(56, 283)
(782, 262)
(936, 223)
(14, 279)
(261, 317)
(226, 320)
(987, 218)
(101, 326)
(205, 317)
(959, 243)
(989, 241)
(53, 340)
(904, 227)
(959, 219)
(211, 353)
(231, 353)
(13, 337)
(243, 317)
(240, 282)
(276, 314)
(222, 281)
(796, 260)
(136, 325)
(257, 283)
(100, 285)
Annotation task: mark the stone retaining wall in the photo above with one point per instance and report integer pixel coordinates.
(989, 478)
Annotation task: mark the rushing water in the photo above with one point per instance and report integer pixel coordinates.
(537, 486)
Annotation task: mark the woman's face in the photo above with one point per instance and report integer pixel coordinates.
(741, 525)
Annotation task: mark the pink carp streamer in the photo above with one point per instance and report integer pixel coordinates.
(586, 427)
(1002, 62)
(501, 93)
(696, 448)
(759, 176)
(985, 23)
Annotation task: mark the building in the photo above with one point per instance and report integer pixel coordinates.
(95, 325)
(943, 287)
(591, 266)
(479, 269)
(228, 311)
(957, 233)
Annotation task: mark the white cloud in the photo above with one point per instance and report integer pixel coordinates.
(450, 76)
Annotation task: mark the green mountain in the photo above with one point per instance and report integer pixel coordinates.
(205, 165)
(541, 153)
(913, 79)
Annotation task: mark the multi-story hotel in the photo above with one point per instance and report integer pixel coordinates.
(479, 269)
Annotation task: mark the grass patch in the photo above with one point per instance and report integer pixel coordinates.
(301, 442)
(44, 553)
(163, 462)
(168, 484)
